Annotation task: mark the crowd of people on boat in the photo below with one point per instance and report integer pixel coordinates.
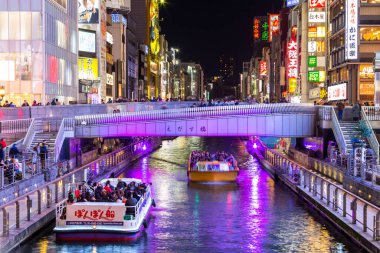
(205, 156)
(129, 194)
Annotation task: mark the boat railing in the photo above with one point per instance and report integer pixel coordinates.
(135, 215)
(60, 208)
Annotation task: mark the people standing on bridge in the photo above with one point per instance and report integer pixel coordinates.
(25, 104)
(356, 109)
(43, 155)
(340, 106)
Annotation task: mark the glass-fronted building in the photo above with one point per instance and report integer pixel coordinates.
(38, 50)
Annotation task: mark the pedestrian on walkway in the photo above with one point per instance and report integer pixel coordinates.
(356, 109)
(43, 155)
(340, 106)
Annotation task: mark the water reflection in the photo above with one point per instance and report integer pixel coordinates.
(254, 215)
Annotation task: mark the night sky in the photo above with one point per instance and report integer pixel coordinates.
(205, 29)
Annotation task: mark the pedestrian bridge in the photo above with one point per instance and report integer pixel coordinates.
(277, 120)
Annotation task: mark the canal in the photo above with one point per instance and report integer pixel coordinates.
(253, 215)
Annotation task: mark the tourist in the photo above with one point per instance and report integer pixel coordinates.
(13, 151)
(43, 155)
(356, 111)
(340, 107)
(25, 104)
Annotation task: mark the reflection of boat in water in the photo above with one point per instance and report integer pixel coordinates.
(207, 167)
(103, 221)
(214, 186)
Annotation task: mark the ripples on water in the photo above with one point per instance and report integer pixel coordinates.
(253, 215)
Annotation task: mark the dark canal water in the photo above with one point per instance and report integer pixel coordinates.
(253, 215)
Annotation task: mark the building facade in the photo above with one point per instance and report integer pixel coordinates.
(38, 50)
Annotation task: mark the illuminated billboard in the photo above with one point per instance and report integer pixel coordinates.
(292, 59)
(337, 92)
(88, 68)
(317, 17)
(290, 3)
(154, 28)
(316, 76)
(261, 29)
(352, 9)
(87, 41)
(274, 25)
(317, 3)
(263, 68)
(88, 11)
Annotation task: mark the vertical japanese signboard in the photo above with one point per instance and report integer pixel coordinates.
(292, 71)
(261, 29)
(352, 9)
(274, 25)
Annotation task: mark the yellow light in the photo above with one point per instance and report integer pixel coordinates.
(162, 2)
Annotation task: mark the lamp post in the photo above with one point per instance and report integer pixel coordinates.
(2, 93)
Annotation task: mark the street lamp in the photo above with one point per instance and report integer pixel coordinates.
(2, 93)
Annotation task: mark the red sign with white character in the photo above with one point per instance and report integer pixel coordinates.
(317, 3)
(91, 214)
(263, 68)
(274, 25)
(292, 59)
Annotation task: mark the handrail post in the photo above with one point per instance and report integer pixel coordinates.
(17, 214)
(56, 192)
(28, 207)
(48, 197)
(39, 201)
(5, 222)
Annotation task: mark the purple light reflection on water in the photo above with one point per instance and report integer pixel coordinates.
(253, 215)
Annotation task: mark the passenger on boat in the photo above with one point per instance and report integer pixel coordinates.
(131, 201)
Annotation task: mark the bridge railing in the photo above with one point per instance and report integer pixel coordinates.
(373, 142)
(66, 125)
(195, 112)
(372, 112)
(29, 135)
(14, 126)
(325, 113)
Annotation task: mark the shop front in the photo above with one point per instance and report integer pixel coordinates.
(366, 83)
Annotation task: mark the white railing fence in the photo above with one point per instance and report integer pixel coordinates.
(195, 112)
(372, 140)
(66, 125)
(338, 132)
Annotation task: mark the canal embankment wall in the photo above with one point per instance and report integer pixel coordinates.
(354, 216)
(14, 233)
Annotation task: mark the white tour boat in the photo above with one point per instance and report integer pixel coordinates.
(103, 220)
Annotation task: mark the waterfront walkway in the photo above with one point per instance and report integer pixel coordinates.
(357, 217)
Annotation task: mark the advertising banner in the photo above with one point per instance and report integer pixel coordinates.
(317, 17)
(314, 93)
(109, 215)
(87, 41)
(337, 92)
(88, 11)
(317, 3)
(88, 68)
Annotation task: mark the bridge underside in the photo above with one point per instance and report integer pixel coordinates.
(276, 125)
